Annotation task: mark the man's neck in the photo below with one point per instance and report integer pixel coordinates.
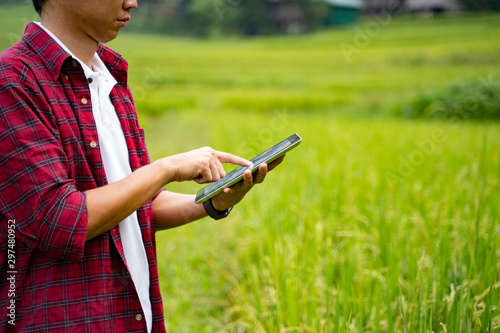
(79, 43)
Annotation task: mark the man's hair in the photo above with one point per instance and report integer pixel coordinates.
(38, 6)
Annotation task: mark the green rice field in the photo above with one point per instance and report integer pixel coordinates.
(375, 223)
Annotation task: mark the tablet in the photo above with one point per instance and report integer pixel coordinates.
(237, 174)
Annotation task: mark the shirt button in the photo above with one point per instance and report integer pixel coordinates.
(66, 77)
(93, 144)
(84, 101)
(90, 80)
(75, 64)
(138, 317)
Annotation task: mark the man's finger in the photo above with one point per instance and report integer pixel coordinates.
(247, 182)
(233, 159)
(204, 176)
(260, 175)
(220, 169)
(215, 171)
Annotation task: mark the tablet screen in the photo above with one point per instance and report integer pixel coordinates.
(237, 174)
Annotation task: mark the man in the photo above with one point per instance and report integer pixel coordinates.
(77, 192)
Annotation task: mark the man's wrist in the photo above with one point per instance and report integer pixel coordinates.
(218, 205)
(167, 170)
(214, 213)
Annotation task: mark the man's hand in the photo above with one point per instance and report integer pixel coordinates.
(174, 209)
(202, 165)
(230, 196)
(109, 205)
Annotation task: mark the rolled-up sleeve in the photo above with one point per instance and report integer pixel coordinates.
(35, 188)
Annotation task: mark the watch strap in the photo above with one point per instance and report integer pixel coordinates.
(213, 213)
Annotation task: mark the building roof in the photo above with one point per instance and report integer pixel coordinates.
(422, 4)
(346, 3)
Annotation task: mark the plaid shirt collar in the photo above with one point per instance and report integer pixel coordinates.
(41, 43)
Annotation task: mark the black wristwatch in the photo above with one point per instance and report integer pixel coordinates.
(213, 213)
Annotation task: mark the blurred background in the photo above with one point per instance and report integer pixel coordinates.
(385, 218)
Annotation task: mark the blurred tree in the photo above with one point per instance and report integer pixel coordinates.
(481, 5)
(243, 17)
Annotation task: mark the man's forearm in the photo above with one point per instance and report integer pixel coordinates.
(175, 209)
(109, 205)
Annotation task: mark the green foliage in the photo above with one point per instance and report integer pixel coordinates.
(367, 219)
(311, 73)
(215, 17)
(372, 217)
(481, 5)
(473, 99)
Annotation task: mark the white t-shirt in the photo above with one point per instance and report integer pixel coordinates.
(115, 158)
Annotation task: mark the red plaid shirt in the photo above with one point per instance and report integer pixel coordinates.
(49, 155)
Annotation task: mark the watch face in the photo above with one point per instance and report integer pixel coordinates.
(236, 175)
